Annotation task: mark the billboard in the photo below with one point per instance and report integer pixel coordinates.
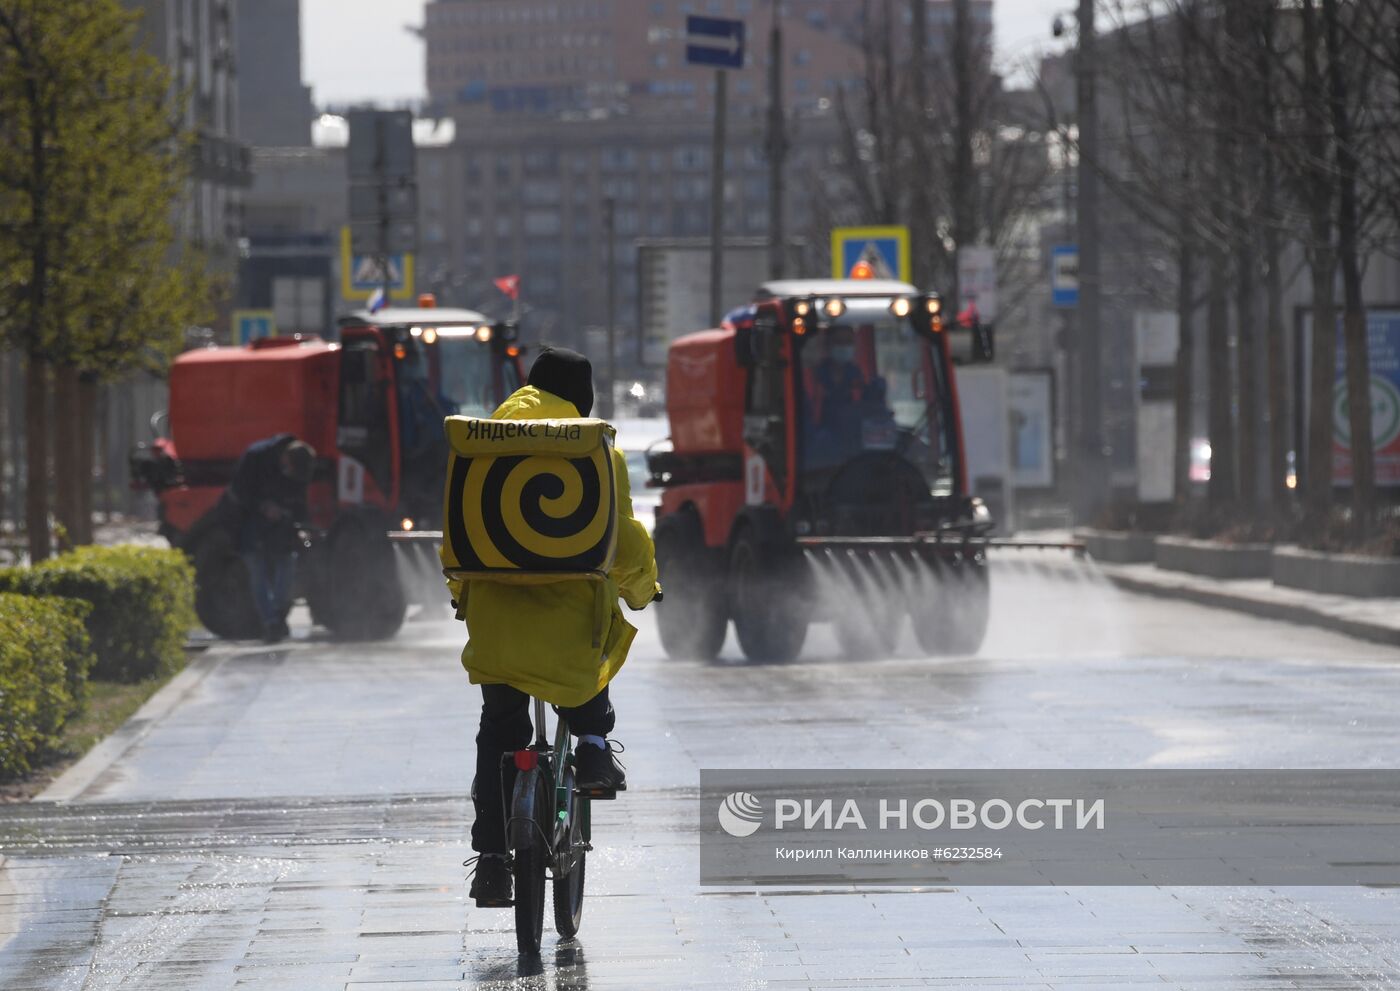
(1031, 396)
(1383, 340)
(977, 281)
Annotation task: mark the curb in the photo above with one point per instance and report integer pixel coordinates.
(1238, 601)
(70, 785)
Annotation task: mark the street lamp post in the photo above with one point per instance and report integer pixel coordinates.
(777, 147)
(1088, 460)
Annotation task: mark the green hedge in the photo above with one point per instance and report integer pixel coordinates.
(44, 661)
(142, 602)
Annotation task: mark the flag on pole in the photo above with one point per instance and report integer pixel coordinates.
(969, 317)
(510, 285)
(378, 300)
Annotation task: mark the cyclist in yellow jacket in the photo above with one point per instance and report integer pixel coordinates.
(537, 640)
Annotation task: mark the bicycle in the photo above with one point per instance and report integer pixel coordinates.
(548, 829)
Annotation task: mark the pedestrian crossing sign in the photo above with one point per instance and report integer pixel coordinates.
(361, 275)
(871, 253)
(252, 325)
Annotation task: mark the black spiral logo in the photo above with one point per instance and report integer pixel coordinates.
(532, 513)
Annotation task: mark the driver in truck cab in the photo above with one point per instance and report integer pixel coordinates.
(842, 401)
(538, 640)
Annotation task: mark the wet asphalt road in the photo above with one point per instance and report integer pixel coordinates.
(298, 819)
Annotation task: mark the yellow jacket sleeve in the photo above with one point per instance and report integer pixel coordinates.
(634, 569)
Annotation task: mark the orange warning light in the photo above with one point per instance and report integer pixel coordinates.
(862, 270)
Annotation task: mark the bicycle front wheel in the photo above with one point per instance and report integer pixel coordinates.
(529, 815)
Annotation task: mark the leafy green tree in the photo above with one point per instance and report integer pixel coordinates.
(92, 163)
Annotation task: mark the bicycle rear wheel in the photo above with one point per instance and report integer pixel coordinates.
(568, 884)
(530, 815)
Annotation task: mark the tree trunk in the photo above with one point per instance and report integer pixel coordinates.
(9, 458)
(15, 398)
(1223, 489)
(1238, 156)
(87, 463)
(1322, 378)
(1275, 341)
(1322, 360)
(1275, 354)
(1246, 351)
(1358, 370)
(1185, 369)
(104, 438)
(65, 453)
(36, 423)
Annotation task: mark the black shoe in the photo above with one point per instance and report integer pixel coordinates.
(274, 632)
(491, 881)
(596, 769)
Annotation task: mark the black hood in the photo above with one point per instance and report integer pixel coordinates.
(567, 374)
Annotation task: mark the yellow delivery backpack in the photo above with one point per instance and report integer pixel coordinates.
(529, 502)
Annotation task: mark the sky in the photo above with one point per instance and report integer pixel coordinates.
(359, 49)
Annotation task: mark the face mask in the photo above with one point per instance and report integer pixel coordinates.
(845, 353)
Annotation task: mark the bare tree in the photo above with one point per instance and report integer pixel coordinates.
(935, 143)
(1343, 90)
(1160, 161)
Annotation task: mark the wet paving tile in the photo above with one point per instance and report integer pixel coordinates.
(299, 822)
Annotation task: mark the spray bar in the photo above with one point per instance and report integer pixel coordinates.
(935, 541)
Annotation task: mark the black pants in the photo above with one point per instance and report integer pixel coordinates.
(505, 726)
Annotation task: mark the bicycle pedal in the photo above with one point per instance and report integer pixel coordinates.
(599, 794)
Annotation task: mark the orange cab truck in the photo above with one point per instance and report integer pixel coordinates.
(817, 473)
(371, 404)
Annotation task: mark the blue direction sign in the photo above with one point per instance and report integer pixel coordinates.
(1064, 276)
(714, 41)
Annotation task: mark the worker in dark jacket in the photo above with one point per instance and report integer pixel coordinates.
(268, 493)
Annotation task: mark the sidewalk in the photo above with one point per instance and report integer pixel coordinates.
(1376, 620)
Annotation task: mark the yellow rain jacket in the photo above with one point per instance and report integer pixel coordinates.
(538, 637)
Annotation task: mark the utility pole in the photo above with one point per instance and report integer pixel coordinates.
(609, 229)
(718, 43)
(1090, 474)
(921, 224)
(383, 189)
(777, 147)
(965, 210)
(717, 201)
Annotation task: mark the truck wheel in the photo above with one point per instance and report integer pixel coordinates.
(359, 595)
(692, 619)
(951, 612)
(765, 600)
(223, 599)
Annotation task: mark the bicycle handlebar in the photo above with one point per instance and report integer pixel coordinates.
(655, 598)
